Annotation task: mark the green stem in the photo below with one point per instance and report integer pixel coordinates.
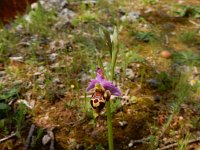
(114, 49)
(109, 122)
(112, 72)
(109, 117)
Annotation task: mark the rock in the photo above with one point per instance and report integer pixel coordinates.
(130, 74)
(56, 80)
(153, 83)
(56, 5)
(157, 98)
(165, 54)
(80, 147)
(149, 10)
(17, 82)
(53, 56)
(27, 18)
(46, 139)
(42, 69)
(131, 16)
(37, 74)
(130, 144)
(2, 73)
(93, 2)
(57, 45)
(118, 70)
(65, 16)
(19, 28)
(123, 124)
(41, 97)
(34, 6)
(16, 59)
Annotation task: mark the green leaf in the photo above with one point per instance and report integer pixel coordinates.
(9, 94)
(116, 104)
(4, 106)
(105, 35)
(152, 138)
(115, 49)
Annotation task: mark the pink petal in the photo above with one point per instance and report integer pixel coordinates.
(92, 84)
(113, 89)
(99, 74)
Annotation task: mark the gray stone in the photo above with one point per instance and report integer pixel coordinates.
(123, 124)
(56, 5)
(157, 98)
(2, 73)
(153, 83)
(34, 6)
(17, 59)
(80, 147)
(53, 56)
(90, 2)
(130, 144)
(66, 14)
(46, 139)
(64, 17)
(131, 16)
(130, 74)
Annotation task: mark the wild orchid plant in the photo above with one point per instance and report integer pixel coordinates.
(103, 89)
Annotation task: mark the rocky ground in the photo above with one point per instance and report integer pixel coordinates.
(49, 55)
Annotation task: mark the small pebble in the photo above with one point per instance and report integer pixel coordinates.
(17, 59)
(165, 54)
(2, 73)
(130, 74)
(34, 6)
(157, 98)
(123, 124)
(80, 147)
(130, 144)
(53, 56)
(153, 83)
(180, 118)
(46, 139)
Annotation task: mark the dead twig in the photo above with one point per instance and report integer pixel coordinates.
(140, 141)
(75, 123)
(193, 22)
(144, 140)
(166, 39)
(176, 144)
(51, 134)
(8, 137)
(30, 134)
(11, 102)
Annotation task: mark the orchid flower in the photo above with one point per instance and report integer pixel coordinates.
(102, 82)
